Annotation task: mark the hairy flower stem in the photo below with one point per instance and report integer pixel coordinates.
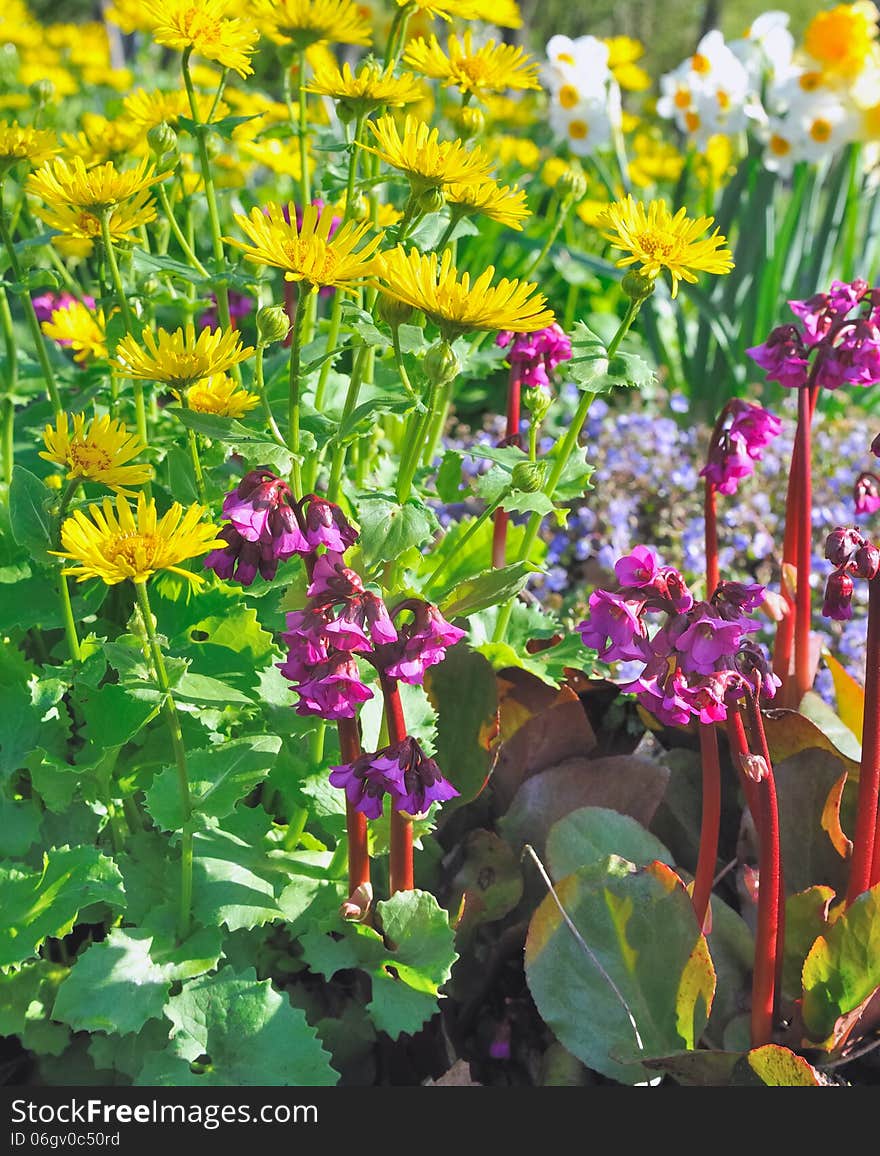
(30, 312)
(567, 447)
(172, 718)
(351, 396)
(260, 384)
(511, 433)
(710, 822)
(400, 868)
(128, 318)
(221, 290)
(178, 232)
(306, 291)
(561, 216)
(803, 679)
(355, 821)
(864, 869)
(10, 381)
(69, 622)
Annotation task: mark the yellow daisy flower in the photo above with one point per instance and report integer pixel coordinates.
(101, 139)
(147, 109)
(427, 161)
(304, 23)
(509, 149)
(69, 183)
(623, 52)
(76, 326)
(449, 9)
(458, 306)
(371, 87)
(490, 68)
(308, 253)
(130, 16)
(81, 227)
(501, 13)
(20, 142)
(179, 359)
(99, 452)
(221, 395)
(205, 29)
(497, 202)
(658, 240)
(115, 542)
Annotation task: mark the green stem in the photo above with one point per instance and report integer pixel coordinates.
(397, 35)
(398, 358)
(551, 237)
(566, 448)
(11, 382)
(67, 618)
(178, 232)
(128, 319)
(260, 385)
(193, 440)
(339, 453)
(30, 313)
(222, 292)
(303, 132)
(173, 720)
(353, 159)
(466, 536)
(296, 824)
(436, 425)
(306, 291)
(447, 232)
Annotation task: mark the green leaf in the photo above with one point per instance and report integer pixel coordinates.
(463, 690)
(388, 529)
(114, 986)
(364, 415)
(29, 503)
(37, 905)
(406, 976)
(806, 918)
(230, 884)
(449, 478)
(242, 1033)
(201, 688)
(628, 369)
(491, 588)
(218, 778)
(639, 925)
(588, 835)
(19, 826)
(769, 1066)
(112, 716)
(842, 970)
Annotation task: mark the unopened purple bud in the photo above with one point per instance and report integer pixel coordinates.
(866, 562)
(841, 545)
(838, 597)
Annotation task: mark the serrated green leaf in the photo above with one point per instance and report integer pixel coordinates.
(388, 529)
(448, 483)
(114, 986)
(40, 904)
(250, 1034)
(29, 502)
(218, 778)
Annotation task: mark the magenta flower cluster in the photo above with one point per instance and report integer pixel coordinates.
(698, 659)
(740, 437)
(852, 555)
(267, 526)
(837, 340)
(403, 771)
(866, 493)
(534, 356)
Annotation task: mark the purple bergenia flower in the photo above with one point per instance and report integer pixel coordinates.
(403, 771)
(534, 356)
(421, 643)
(866, 493)
(740, 437)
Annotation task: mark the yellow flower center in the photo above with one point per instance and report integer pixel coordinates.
(578, 130)
(692, 121)
(568, 96)
(475, 68)
(810, 81)
(699, 63)
(303, 257)
(723, 99)
(89, 225)
(779, 146)
(820, 130)
(88, 459)
(565, 57)
(657, 246)
(136, 549)
(682, 98)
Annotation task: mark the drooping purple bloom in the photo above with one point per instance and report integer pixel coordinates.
(636, 569)
(403, 771)
(743, 433)
(838, 596)
(326, 525)
(866, 493)
(614, 627)
(241, 559)
(707, 639)
(333, 581)
(334, 691)
(784, 357)
(534, 356)
(421, 643)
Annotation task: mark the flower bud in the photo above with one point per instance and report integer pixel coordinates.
(866, 493)
(41, 91)
(866, 562)
(637, 286)
(838, 597)
(528, 477)
(431, 200)
(273, 324)
(162, 140)
(346, 111)
(394, 312)
(441, 363)
(841, 544)
(470, 122)
(538, 402)
(359, 209)
(213, 145)
(572, 185)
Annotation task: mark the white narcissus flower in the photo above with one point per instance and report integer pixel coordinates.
(709, 93)
(582, 62)
(784, 145)
(586, 128)
(827, 125)
(767, 47)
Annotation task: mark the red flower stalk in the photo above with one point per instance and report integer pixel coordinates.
(803, 674)
(355, 821)
(757, 769)
(400, 868)
(713, 573)
(710, 822)
(865, 863)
